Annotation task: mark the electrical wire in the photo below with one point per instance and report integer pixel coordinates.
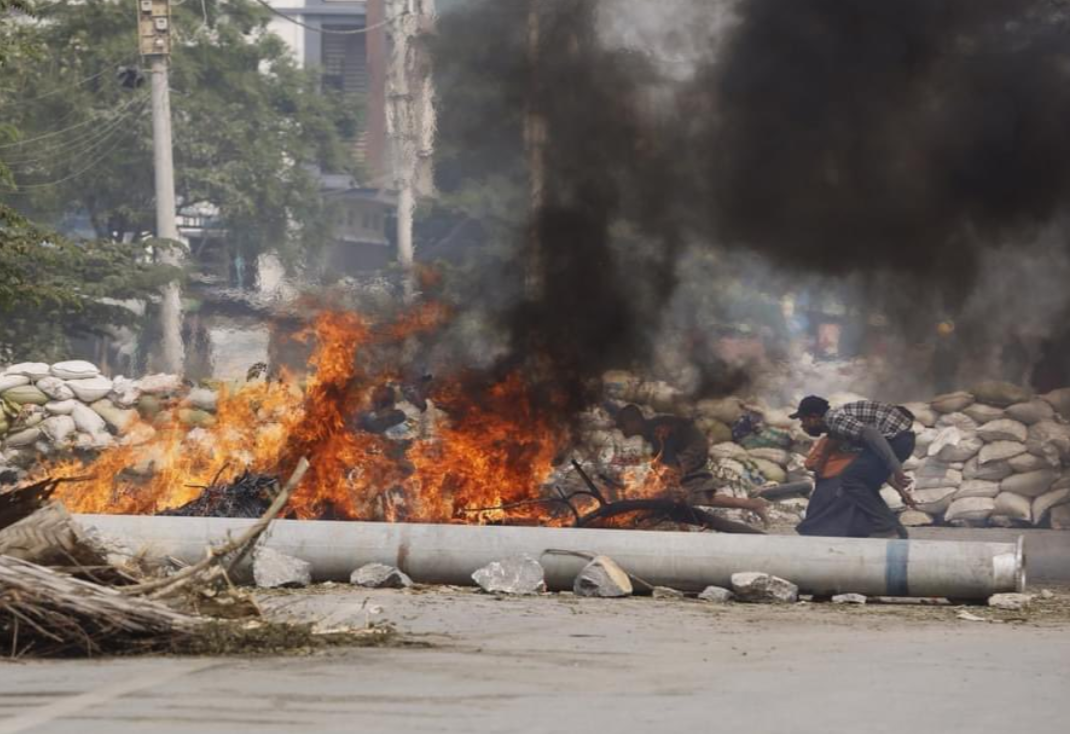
(113, 65)
(54, 133)
(325, 31)
(29, 188)
(72, 145)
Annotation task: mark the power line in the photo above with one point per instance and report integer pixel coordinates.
(328, 32)
(80, 82)
(72, 146)
(54, 133)
(28, 188)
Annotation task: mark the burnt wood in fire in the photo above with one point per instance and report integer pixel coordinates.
(249, 495)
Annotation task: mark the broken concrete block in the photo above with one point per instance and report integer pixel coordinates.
(515, 575)
(848, 599)
(1013, 602)
(763, 588)
(274, 570)
(716, 595)
(380, 576)
(602, 577)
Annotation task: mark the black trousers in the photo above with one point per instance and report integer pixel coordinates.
(856, 509)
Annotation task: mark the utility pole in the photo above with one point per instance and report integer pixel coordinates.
(410, 120)
(154, 30)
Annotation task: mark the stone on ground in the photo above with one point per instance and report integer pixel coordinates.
(763, 588)
(515, 575)
(716, 595)
(380, 576)
(664, 592)
(274, 570)
(602, 577)
(849, 599)
(1013, 602)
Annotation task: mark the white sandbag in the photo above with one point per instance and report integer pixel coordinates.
(923, 413)
(1048, 500)
(982, 413)
(125, 392)
(160, 384)
(1003, 429)
(1049, 434)
(87, 420)
(90, 390)
(9, 381)
(993, 471)
(932, 474)
(1060, 517)
(769, 470)
(999, 451)
(1001, 394)
(923, 440)
(892, 498)
(950, 436)
(115, 417)
(31, 370)
(55, 388)
(1032, 412)
(25, 437)
(777, 456)
(977, 488)
(1030, 462)
(934, 501)
(972, 509)
(726, 410)
(728, 450)
(1059, 400)
(915, 519)
(961, 421)
(75, 369)
(58, 428)
(952, 402)
(912, 463)
(779, 419)
(1013, 506)
(964, 450)
(1030, 484)
(60, 407)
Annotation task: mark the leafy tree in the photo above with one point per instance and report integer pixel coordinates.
(249, 125)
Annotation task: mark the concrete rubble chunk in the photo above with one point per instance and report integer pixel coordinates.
(274, 570)
(1012, 602)
(849, 599)
(380, 576)
(716, 595)
(602, 577)
(514, 575)
(762, 588)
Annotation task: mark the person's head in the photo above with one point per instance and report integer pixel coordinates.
(383, 398)
(630, 420)
(811, 413)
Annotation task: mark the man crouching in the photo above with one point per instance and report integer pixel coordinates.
(681, 446)
(883, 438)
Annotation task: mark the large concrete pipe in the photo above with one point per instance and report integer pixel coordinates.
(448, 554)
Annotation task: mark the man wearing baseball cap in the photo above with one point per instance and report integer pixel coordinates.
(883, 437)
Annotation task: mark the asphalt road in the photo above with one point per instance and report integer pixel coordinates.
(558, 664)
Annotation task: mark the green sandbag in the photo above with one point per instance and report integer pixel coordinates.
(26, 395)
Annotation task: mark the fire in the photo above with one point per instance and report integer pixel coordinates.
(493, 445)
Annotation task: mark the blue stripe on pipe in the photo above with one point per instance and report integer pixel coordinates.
(895, 568)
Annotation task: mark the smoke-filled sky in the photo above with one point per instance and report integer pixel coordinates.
(904, 142)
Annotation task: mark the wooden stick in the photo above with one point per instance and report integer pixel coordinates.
(242, 544)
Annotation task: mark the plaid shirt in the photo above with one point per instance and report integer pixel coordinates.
(848, 421)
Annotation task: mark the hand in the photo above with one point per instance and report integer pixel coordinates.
(900, 481)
